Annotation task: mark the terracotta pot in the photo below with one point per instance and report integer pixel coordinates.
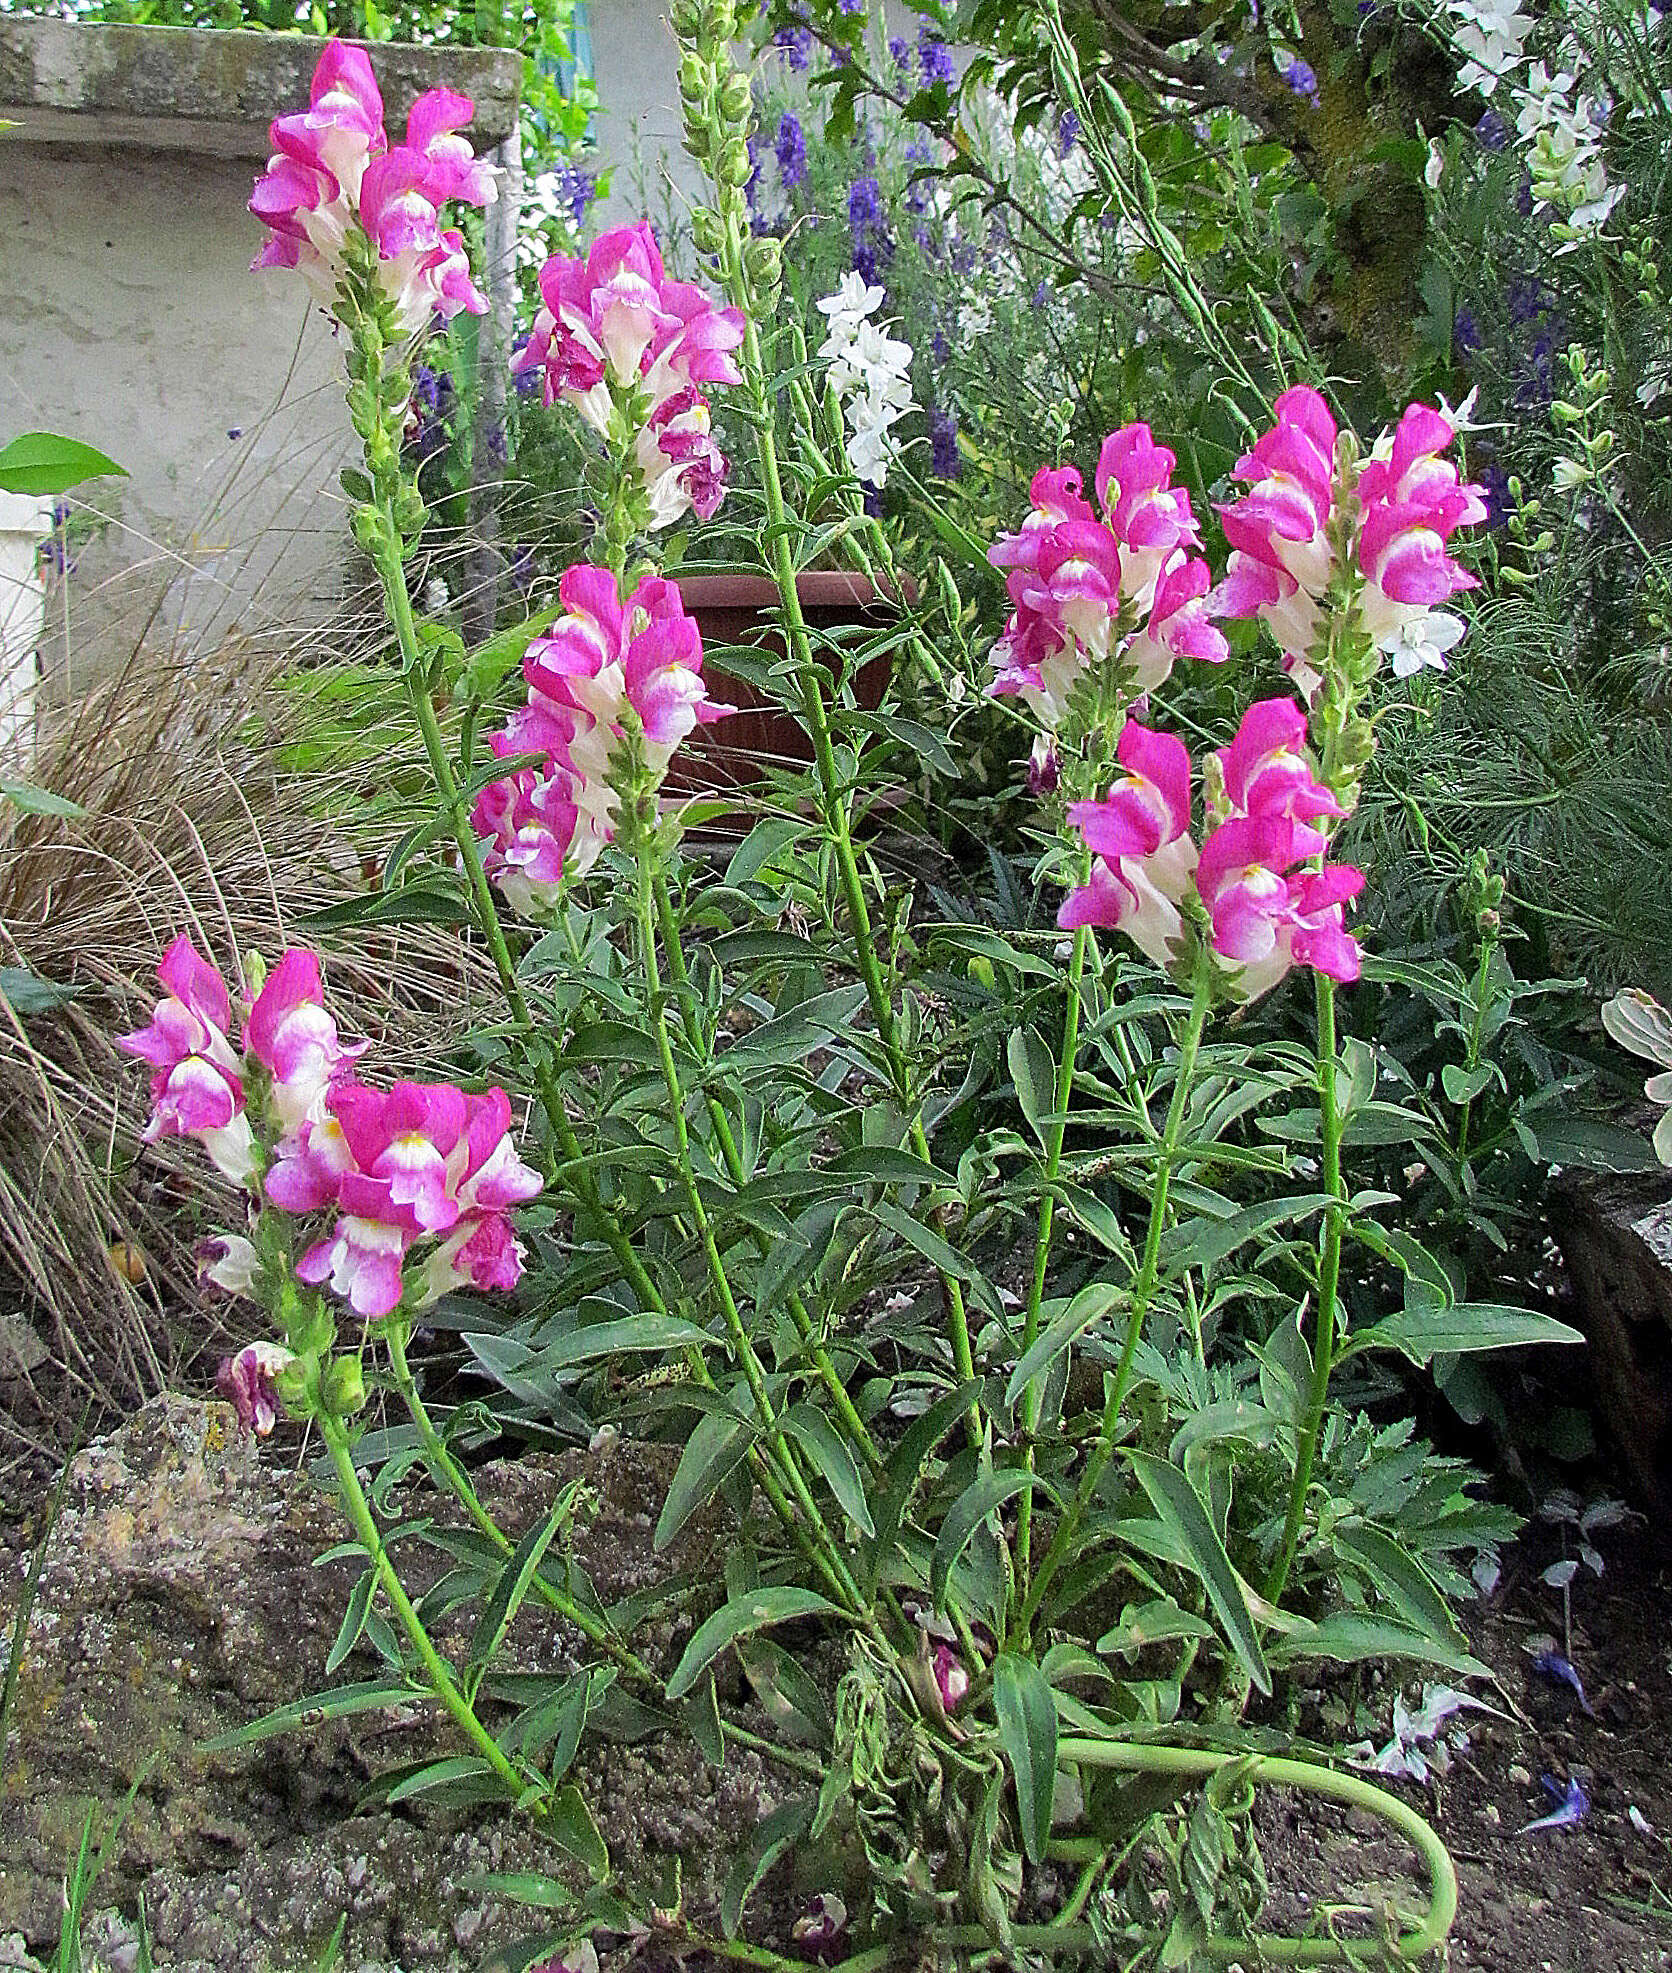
(736, 609)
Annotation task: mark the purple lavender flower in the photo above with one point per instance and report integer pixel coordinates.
(945, 460)
(939, 348)
(1302, 79)
(499, 450)
(1465, 332)
(795, 44)
(1068, 133)
(868, 224)
(1494, 486)
(899, 53)
(1491, 132)
(851, 6)
(790, 149)
(934, 58)
(1042, 294)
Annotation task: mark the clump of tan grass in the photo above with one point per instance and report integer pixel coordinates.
(193, 819)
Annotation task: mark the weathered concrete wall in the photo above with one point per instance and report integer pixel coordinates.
(129, 318)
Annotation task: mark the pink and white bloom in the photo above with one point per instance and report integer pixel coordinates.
(226, 1261)
(246, 1382)
(1148, 516)
(1280, 561)
(1265, 919)
(1065, 586)
(1179, 624)
(197, 1089)
(360, 1260)
(1142, 852)
(615, 326)
(1267, 771)
(1413, 502)
(952, 1679)
(333, 173)
(293, 1038)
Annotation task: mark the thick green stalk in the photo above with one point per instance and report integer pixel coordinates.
(1142, 1289)
(691, 1020)
(1055, 1134)
(829, 1559)
(1329, 1279)
(436, 1668)
(834, 798)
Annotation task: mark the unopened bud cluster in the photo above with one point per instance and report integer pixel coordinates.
(719, 113)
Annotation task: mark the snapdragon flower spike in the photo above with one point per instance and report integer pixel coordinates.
(246, 1382)
(295, 1040)
(196, 1086)
(333, 173)
(1148, 516)
(617, 323)
(1143, 855)
(1279, 530)
(1413, 502)
(1064, 583)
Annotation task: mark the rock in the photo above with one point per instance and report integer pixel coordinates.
(180, 1600)
(1616, 1236)
(21, 1350)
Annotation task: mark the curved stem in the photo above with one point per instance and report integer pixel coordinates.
(447, 1472)
(828, 1556)
(691, 1020)
(436, 1668)
(1042, 1244)
(1142, 1289)
(1329, 1278)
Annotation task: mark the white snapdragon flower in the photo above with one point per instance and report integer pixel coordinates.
(1421, 643)
(871, 373)
(1491, 33)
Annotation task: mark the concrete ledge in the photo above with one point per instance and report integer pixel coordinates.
(213, 90)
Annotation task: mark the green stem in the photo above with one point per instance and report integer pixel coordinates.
(691, 1020)
(436, 1668)
(833, 796)
(1329, 1278)
(1142, 1289)
(829, 1560)
(1058, 1129)
(447, 1472)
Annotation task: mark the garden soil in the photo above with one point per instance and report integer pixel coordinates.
(180, 1599)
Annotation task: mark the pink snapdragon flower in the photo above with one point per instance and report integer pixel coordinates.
(197, 1087)
(333, 173)
(603, 663)
(1148, 516)
(952, 1679)
(226, 1261)
(1266, 912)
(616, 326)
(1279, 529)
(293, 1038)
(1142, 852)
(1413, 502)
(417, 1160)
(1179, 624)
(246, 1382)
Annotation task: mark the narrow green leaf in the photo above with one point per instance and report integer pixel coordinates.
(368, 1696)
(1027, 1716)
(790, 1699)
(1090, 1305)
(715, 1449)
(760, 1609)
(828, 1451)
(773, 1835)
(618, 1338)
(460, 1781)
(500, 1610)
(410, 904)
(907, 1460)
(27, 993)
(1424, 1333)
(354, 1619)
(1201, 1241)
(1034, 1074)
(701, 1714)
(983, 1496)
(1401, 1578)
(1179, 1508)
(1347, 1639)
(569, 1822)
(31, 800)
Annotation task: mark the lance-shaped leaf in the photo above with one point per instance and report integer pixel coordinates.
(1027, 1716)
(1180, 1511)
(759, 1609)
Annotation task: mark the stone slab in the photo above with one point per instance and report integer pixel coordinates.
(213, 90)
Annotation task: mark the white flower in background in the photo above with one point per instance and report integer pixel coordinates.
(1491, 34)
(1421, 643)
(871, 373)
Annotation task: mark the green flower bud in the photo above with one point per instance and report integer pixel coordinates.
(763, 262)
(734, 167)
(696, 77)
(736, 97)
(344, 1389)
(368, 529)
(310, 1330)
(707, 231)
(290, 1387)
(410, 510)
